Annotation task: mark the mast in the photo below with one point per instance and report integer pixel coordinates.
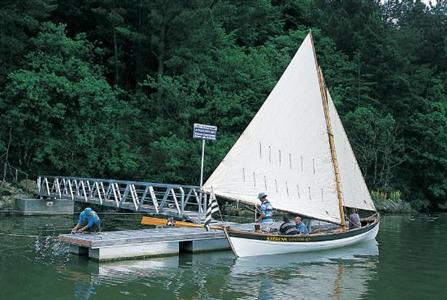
(330, 133)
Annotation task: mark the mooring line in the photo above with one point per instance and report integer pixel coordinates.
(19, 235)
(75, 212)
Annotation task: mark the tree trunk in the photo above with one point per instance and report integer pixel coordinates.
(115, 50)
(5, 167)
(161, 52)
(139, 49)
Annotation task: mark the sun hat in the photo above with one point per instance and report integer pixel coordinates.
(262, 195)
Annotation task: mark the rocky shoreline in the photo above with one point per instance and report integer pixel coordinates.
(391, 203)
(9, 192)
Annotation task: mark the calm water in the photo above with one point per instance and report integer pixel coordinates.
(409, 262)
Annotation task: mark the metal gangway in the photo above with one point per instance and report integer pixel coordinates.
(153, 198)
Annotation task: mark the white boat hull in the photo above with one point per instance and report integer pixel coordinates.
(244, 247)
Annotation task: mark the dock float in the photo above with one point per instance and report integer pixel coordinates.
(116, 245)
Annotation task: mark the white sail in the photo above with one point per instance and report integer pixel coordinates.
(355, 191)
(284, 151)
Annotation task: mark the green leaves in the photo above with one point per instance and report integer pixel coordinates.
(376, 145)
(113, 90)
(64, 112)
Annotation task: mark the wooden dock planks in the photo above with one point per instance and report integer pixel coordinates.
(118, 238)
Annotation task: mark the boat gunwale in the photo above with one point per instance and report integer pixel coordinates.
(313, 237)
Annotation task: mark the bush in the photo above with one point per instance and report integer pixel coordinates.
(390, 202)
(28, 185)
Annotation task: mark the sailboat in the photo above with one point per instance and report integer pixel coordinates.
(296, 150)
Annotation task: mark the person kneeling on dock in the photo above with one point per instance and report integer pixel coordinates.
(288, 227)
(88, 221)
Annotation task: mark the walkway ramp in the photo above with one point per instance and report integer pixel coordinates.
(154, 198)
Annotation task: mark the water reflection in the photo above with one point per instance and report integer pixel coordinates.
(336, 274)
(85, 286)
(135, 269)
(412, 266)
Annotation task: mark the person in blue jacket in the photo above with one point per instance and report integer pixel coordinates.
(266, 216)
(300, 226)
(88, 221)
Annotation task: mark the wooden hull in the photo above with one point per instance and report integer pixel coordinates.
(253, 244)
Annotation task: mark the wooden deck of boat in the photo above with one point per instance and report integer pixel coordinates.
(145, 242)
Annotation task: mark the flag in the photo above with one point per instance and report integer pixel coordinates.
(212, 208)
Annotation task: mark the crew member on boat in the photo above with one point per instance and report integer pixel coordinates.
(88, 221)
(288, 227)
(354, 219)
(300, 226)
(266, 216)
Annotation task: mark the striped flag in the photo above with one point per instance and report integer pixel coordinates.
(212, 208)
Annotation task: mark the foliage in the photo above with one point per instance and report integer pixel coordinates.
(18, 21)
(62, 113)
(111, 88)
(390, 202)
(374, 138)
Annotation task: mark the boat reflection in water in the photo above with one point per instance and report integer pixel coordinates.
(337, 274)
(341, 273)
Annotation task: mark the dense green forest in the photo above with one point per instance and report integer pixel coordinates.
(111, 88)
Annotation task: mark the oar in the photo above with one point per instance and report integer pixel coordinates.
(165, 222)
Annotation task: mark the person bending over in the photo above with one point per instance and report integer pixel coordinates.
(88, 221)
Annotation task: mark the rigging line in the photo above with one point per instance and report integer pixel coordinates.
(246, 206)
(224, 227)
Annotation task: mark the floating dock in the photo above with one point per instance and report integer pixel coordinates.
(115, 245)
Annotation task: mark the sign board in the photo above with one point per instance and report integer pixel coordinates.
(205, 132)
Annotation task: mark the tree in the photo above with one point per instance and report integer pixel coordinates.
(18, 21)
(62, 111)
(376, 145)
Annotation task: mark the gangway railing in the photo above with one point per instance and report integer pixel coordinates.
(185, 200)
